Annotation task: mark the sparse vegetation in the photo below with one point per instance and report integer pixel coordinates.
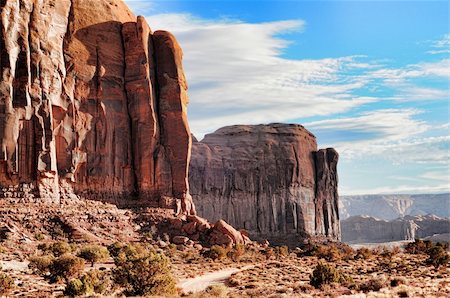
(143, 272)
(217, 252)
(56, 248)
(438, 256)
(94, 253)
(93, 281)
(66, 267)
(41, 264)
(6, 284)
(373, 284)
(325, 274)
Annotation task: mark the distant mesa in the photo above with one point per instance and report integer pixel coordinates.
(268, 179)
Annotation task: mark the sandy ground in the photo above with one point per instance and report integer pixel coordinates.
(200, 283)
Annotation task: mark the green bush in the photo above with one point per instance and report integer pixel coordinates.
(66, 267)
(6, 284)
(325, 274)
(143, 272)
(40, 264)
(57, 248)
(93, 281)
(75, 288)
(94, 253)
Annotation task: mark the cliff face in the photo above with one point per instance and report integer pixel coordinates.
(267, 179)
(361, 229)
(92, 103)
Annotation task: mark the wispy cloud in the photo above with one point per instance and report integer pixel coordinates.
(441, 46)
(237, 73)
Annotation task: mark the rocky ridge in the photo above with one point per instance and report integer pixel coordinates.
(366, 229)
(93, 104)
(268, 179)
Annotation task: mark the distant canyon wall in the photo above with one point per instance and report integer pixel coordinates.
(365, 229)
(268, 179)
(92, 103)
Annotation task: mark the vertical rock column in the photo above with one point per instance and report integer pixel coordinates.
(327, 212)
(175, 134)
(142, 108)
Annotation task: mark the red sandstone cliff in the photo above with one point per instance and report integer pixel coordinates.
(92, 103)
(268, 179)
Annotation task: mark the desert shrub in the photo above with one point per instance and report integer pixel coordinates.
(403, 292)
(216, 252)
(6, 284)
(282, 251)
(75, 288)
(143, 272)
(237, 252)
(325, 274)
(437, 256)
(418, 246)
(115, 248)
(94, 253)
(396, 281)
(269, 252)
(328, 252)
(56, 248)
(217, 290)
(373, 285)
(93, 281)
(65, 267)
(363, 253)
(40, 264)
(39, 236)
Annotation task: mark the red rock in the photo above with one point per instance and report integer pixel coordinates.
(190, 228)
(224, 228)
(93, 105)
(262, 178)
(202, 224)
(180, 240)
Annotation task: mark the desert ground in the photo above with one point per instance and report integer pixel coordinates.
(256, 270)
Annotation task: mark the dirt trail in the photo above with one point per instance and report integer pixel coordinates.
(200, 283)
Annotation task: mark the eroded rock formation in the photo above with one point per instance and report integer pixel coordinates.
(268, 179)
(92, 103)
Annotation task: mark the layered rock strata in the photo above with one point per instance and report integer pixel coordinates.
(92, 103)
(268, 179)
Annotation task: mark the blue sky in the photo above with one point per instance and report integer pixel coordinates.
(370, 78)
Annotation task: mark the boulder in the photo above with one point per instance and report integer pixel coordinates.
(180, 240)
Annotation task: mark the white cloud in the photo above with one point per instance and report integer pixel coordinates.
(441, 46)
(237, 74)
(399, 189)
(392, 134)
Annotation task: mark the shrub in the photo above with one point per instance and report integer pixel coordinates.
(115, 248)
(328, 252)
(57, 248)
(237, 252)
(93, 281)
(282, 251)
(143, 272)
(217, 252)
(74, 288)
(363, 253)
(437, 256)
(39, 236)
(94, 253)
(6, 284)
(217, 290)
(325, 274)
(65, 267)
(396, 281)
(373, 284)
(40, 264)
(418, 246)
